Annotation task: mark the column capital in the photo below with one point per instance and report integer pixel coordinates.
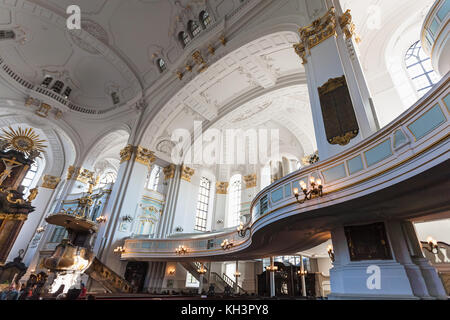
(347, 25)
(320, 30)
(250, 180)
(80, 174)
(222, 187)
(169, 172)
(50, 182)
(144, 156)
(187, 173)
(126, 153)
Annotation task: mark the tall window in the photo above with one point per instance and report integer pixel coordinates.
(205, 18)
(235, 200)
(419, 69)
(106, 178)
(153, 180)
(29, 177)
(191, 282)
(58, 86)
(7, 34)
(194, 28)
(201, 217)
(58, 234)
(184, 38)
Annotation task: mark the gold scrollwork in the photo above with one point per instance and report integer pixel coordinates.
(187, 173)
(344, 139)
(50, 182)
(221, 187)
(169, 172)
(126, 153)
(144, 156)
(347, 25)
(250, 181)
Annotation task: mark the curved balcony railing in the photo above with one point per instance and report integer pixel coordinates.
(415, 141)
(435, 32)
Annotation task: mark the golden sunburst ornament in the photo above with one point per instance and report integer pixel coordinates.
(23, 140)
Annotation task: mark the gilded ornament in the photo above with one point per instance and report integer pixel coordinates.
(187, 173)
(301, 51)
(43, 110)
(320, 30)
(23, 140)
(347, 25)
(9, 165)
(250, 181)
(169, 172)
(144, 156)
(222, 187)
(50, 182)
(126, 153)
(33, 194)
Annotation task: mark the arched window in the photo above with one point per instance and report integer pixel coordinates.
(47, 81)
(106, 178)
(161, 65)
(7, 34)
(115, 98)
(58, 86)
(153, 180)
(194, 28)
(201, 216)
(184, 38)
(205, 19)
(234, 212)
(419, 69)
(67, 92)
(29, 177)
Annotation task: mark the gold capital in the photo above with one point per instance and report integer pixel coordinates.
(222, 187)
(187, 173)
(50, 182)
(169, 172)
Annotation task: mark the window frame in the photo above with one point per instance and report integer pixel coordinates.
(203, 204)
(415, 53)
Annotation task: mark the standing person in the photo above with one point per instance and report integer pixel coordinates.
(83, 291)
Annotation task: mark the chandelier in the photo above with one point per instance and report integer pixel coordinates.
(315, 190)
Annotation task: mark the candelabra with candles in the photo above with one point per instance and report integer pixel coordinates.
(272, 268)
(40, 230)
(302, 272)
(314, 191)
(181, 250)
(241, 230)
(119, 250)
(330, 252)
(226, 244)
(201, 270)
(433, 246)
(101, 219)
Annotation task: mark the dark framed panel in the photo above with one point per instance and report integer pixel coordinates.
(368, 242)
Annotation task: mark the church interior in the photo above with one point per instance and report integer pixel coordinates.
(247, 149)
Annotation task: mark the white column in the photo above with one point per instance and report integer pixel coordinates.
(331, 59)
(125, 197)
(184, 214)
(398, 278)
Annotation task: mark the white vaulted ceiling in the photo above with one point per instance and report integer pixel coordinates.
(259, 66)
(114, 51)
